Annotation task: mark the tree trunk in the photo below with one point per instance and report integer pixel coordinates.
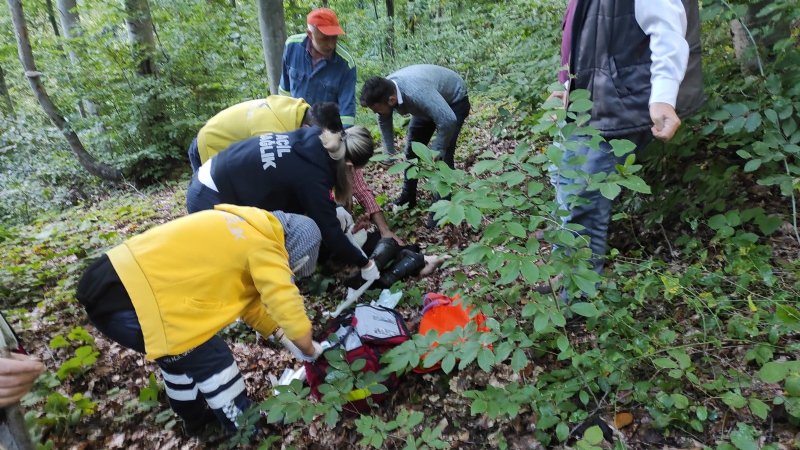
(390, 31)
(51, 16)
(273, 37)
(71, 24)
(140, 33)
(5, 95)
(34, 78)
(753, 55)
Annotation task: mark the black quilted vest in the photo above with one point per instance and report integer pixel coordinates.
(610, 57)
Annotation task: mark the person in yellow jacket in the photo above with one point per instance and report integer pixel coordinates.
(169, 291)
(274, 114)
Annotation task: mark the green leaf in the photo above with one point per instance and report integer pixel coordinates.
(752, 165)
(773, 372)
(702, 413)
(530, 271)
(487, 165)
(736, 109)
(734, 400)
(753, 122)
(771, 115)
(593, 435)
(758, 408)
(562, 431)
(58, 342)
(584, 309)
(622, 147)
(734, 125)
(518, 360)
(485, 359)
(743, 439)
(610, 190)
(635, 184)
(455, 214)
(479, 406)
(516, 229)
(680, 400)
(580, 105)
(720, 115)
(448, 363)
(473, 216)
(665, 363)
(540, 322)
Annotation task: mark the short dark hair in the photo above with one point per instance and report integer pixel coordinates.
(376, 90)
(326, 115)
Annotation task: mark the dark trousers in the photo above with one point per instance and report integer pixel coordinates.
(200, 197)
(421, 130)
(194, 156)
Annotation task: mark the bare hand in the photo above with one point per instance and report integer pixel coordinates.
(560, 95)
(390, 234)
(665, 121)
(17, 374)
(363, 223)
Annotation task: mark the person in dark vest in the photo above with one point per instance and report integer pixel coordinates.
(640, 60)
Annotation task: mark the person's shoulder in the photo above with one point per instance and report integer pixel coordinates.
(343, 53)
(295, 39)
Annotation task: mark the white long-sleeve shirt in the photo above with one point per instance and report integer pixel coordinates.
(665, 22)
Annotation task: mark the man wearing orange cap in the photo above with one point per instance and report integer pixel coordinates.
(318, 70)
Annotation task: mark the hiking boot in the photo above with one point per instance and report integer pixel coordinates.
(409, 194)
(206, 426)
(385, 251)
(407, 264)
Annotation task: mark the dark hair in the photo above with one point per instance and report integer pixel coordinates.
(376, 90)
(326, 116)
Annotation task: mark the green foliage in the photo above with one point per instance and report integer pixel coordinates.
(378, 434)
(691, 335)
(84, 357)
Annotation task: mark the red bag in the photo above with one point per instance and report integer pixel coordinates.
(444, 314)
(365, 332)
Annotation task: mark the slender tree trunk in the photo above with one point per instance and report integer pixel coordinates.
(51, 16)
(390, 31)
(5, 95)
(753, 55)
(34, 78)
(273, 37)
(140, 33)
(71, 24)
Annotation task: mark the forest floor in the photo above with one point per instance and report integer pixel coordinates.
(119, 377)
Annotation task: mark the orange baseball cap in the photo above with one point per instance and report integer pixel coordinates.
(326, 21)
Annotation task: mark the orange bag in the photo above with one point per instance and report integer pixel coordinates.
(444, 314)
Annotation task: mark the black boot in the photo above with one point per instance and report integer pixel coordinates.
(408, 264)
(384, 252)
(409, 194)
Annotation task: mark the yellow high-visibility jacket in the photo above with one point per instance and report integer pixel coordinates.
(274, 114)
(191, 277)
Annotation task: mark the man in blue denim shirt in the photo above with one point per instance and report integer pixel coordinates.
(318, 70)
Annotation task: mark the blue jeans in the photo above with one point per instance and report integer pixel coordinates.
(200, 197)
(589, 208)
(194, 156)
